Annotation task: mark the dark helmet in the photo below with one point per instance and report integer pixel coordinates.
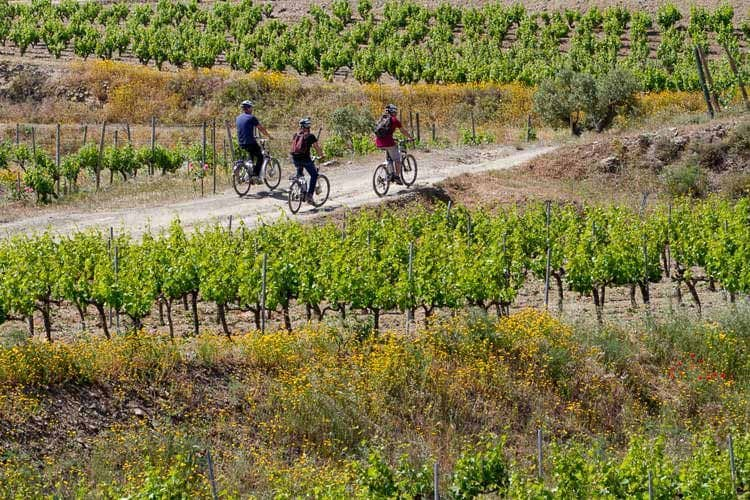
(391, 108)
(305, 123)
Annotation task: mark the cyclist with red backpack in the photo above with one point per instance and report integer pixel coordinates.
(302, 142)
(384, 130)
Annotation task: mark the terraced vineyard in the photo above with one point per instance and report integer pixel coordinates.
(408, 42)
(379, 264)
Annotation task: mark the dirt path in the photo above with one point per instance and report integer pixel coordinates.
(351, 186)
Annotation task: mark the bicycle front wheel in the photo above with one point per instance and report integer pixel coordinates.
(240, 178)
(322, 190)
(409, 170)
(272, 176)
(381, 180)
(296, 193)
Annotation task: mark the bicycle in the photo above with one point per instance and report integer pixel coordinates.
(298, 188)
(385, 172)
(270, 172)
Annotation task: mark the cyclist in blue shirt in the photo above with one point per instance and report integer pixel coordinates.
(247, 122)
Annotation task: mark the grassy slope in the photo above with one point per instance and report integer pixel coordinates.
(295, 413)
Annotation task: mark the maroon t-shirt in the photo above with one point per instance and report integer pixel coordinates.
(388, 141)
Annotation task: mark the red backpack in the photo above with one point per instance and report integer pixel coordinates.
(298, 144)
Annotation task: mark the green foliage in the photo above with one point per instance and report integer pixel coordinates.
(667, 15)
(480, 471)
(686, 179)
(334, 146)
(350, 120)
(380, 480)
(410, 42)
(563, 100)
(578, 100)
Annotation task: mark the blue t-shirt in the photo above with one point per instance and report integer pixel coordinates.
(246, 129)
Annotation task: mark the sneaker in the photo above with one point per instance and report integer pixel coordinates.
(397, 180)
(309, 200)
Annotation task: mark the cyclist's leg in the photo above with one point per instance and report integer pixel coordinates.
(395, 155)
(298, 164)
(257, 155)
(313, 172)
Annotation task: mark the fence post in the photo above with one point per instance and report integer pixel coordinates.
(211, 475)
(213, 150)
(117, 270)
(434, 132)
(528, 128)
(57, 154)
(473, 128)
(419, 132)
(230, 139)
(650, 485)
(18, 134)
(411, 122)
(547, 270)
(230, 224)
(539, 455)
(732, 467)
(33, 141)
(263, 295)
(153, 145)
(101, 152)
(436, 480)
(410, 310)
(117, 139)
(702, 80)
(127, 131)
(85, 134)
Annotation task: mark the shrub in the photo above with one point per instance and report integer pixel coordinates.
(571, 97)
(561, 101)
(348, 121)
(364, 7)
(70, 169)
(686, 180)
(668, 15)
(334, 146)
(40, 180)
(480, 472)
(342, 10)
(479, 137)
(615, 95)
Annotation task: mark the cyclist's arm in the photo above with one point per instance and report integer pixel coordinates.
(318, 149)
(264, 131)
(406, 133)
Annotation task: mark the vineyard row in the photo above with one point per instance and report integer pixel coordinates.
(379, 262)
(407, 41)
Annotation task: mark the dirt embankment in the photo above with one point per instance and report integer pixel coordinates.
(697, 160)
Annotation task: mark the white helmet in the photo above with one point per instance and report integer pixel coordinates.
(305, 123)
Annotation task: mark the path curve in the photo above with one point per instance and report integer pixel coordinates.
(351, 186)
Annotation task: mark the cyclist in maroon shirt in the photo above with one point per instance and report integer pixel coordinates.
(385, 141)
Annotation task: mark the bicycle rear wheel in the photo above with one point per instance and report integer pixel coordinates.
(381, 181)
(272, 176)
(296, 193)
(240, 178)
(409, 170)
(322, 190)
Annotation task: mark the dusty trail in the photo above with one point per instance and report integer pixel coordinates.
(351, 186)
